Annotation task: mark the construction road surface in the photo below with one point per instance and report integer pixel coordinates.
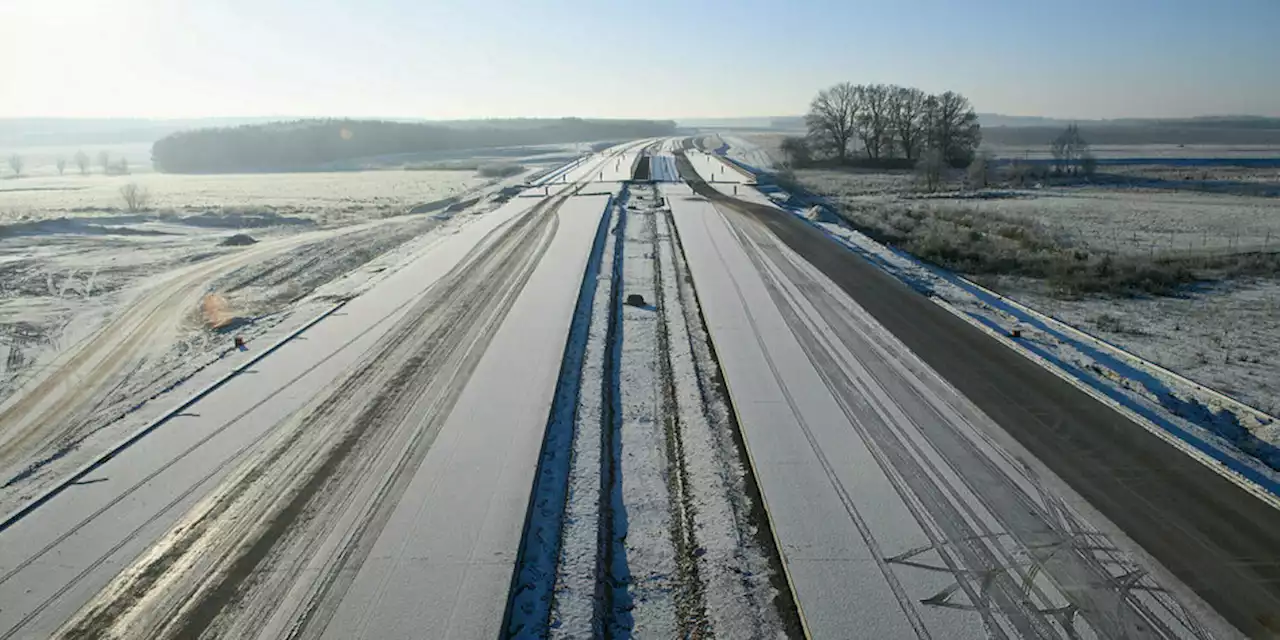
(628, 403)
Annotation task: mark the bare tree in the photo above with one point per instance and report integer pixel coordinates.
(1068, 148)
(796, 151)
(951, 126)
(1058, 149)
(907, 116)
(930, 167)
(135, 197)
(831, 118)
(82, 161)
(16, 163)
(872, 117)
(104, 161)
(62, 165)
(980, 169)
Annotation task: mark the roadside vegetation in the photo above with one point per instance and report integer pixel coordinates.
(885, 126)
(895, 143)
(970, 241)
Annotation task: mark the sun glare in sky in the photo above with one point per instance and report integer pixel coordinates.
(664, 58)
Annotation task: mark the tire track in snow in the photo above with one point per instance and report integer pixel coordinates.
(311, 465)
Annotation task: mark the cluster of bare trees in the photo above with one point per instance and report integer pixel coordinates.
(1071, 152)
(119, 167)
(889, 124)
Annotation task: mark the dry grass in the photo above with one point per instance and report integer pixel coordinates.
(972, 236)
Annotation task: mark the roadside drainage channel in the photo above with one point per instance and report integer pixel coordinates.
(530, 600)
(142, 432)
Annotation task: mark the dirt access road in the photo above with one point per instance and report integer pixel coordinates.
(55, 407)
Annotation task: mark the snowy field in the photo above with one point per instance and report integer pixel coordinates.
(1165, 151)
(1226, 337)
(321, 196)
(1111, 219)
(128, 304)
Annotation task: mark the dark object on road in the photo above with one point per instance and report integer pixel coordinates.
(1015, 333)
(238, 240)
(635, 300)
(240, 344)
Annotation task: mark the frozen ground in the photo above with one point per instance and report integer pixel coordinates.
(322, 197)
(653, 508)
(1165, 151)
(1226, 337)
(1111, 219)
(102, 311)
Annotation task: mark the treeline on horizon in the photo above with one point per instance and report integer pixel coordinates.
(1036, 131)
(1137, 135)
(306, 144)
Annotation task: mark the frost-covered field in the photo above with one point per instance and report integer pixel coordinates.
(324, 196)
(125, 305)
(1165, 151)
(1111, 219)
(1226, 337)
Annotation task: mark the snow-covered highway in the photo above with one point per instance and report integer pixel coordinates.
(650, 407)
(884, 485)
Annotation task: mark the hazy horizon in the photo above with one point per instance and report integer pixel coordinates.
(181, 59)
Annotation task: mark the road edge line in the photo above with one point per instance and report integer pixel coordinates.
(133, 438)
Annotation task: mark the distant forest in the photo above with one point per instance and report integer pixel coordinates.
(306, 144)
(1034, 131)
(1136, 134)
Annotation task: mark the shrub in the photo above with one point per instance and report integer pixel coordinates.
(135, 197)
(499, 170)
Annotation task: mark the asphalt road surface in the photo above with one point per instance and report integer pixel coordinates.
(1220, 541)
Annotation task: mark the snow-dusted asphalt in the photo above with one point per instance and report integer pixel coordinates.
(887, 492)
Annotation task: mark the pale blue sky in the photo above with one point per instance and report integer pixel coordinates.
(648, 58)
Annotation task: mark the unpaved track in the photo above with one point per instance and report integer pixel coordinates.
(52, 409)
